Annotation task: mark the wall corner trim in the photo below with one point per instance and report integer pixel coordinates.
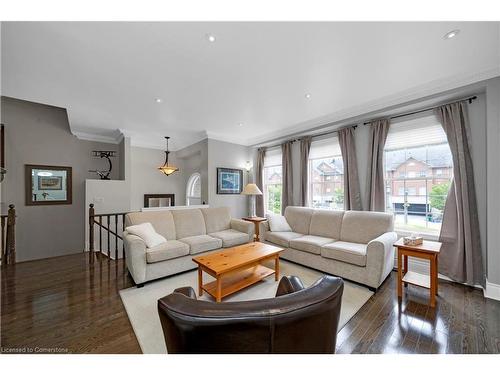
(492, 291)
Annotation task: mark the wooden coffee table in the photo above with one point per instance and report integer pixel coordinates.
(236, 268)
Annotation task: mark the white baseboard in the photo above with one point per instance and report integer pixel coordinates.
(492, 291)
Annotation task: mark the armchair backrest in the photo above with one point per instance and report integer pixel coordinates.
(302, 322)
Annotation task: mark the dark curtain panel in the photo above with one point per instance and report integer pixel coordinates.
(287, 176)
(352, 194)
(305, 146)
(461, 256)
(375, 181)
(259, 169)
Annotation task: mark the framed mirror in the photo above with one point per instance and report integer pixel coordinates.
(47, 185)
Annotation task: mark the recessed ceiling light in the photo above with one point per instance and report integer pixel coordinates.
(451, 34)
(308, 96)
(158, 100)
(240, 124)
(211, 38)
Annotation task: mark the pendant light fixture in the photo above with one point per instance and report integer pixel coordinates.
(167, 169)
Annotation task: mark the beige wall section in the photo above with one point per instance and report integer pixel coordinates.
(229, 155)
(147, 179)
(39, 134)
(194, 159)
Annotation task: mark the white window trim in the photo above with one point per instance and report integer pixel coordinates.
(189, 186)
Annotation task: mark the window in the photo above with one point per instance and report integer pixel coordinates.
(326, 175)
(414, 147)
(193, 190)
(272, 181)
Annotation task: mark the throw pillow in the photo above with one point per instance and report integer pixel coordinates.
(278, 223)
(147, 233)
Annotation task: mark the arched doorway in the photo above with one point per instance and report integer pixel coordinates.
(193, 190)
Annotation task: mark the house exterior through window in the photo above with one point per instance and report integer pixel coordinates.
(272, 181)
(326, 175)
(418, 173)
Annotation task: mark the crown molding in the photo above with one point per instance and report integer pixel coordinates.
(403, 97)
(225, 138)
(85, 136)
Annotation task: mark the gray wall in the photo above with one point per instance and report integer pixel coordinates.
(147, 179)
(228, 155)
(39, 134)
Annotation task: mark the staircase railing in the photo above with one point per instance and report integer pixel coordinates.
(8, 236)
(111, 243)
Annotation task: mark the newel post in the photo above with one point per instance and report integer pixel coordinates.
(91, 231)
(10, 251)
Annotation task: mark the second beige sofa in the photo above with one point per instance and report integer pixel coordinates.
(355, 245)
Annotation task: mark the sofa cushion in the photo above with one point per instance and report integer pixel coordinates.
(216, 219)
(326, 223)
(162, 221)
(189, 223)
(299, 218)
(199, 244)
(168, 250)
(147, 233)
(278, 223)
(311, 244)
(348, 252)
(363, 226)
(282, 238)
(231, 237)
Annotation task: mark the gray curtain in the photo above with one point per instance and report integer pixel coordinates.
(375, 181)
(461, 256)
(259, 168)
(287, 178)
(352, 194)
(305, 147)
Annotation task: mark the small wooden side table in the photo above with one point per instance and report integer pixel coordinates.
(427, 250)
(256, 220)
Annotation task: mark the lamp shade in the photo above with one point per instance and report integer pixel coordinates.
(251, 189)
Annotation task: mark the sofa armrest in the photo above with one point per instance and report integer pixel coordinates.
(135, 256)
(263, 229)
(381, 250)
(243, 226)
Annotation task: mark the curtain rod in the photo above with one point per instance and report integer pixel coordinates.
(312, 136)
(469, 99)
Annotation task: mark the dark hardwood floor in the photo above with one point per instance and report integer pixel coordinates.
(67, 305)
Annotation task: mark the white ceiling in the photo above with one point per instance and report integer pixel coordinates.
(108, 74)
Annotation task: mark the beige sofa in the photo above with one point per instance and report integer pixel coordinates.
(188, 232)
(355, 245)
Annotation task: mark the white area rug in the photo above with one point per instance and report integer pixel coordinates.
(141, 303)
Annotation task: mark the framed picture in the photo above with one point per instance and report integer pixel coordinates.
(50, 182)
(229, 181)
(48, 185)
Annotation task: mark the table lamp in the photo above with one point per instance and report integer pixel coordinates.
(252, 190)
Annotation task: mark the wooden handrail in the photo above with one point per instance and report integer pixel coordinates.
(97, 220)
(8, 236)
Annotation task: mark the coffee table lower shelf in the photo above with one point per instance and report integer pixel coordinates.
(234, 282)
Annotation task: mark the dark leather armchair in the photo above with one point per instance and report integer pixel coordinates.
(298, 320)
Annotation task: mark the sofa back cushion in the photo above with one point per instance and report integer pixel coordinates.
(326, 223)
(299, 218)
(189, 223)
(364, 226)
(162, 221)
(216, 219)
